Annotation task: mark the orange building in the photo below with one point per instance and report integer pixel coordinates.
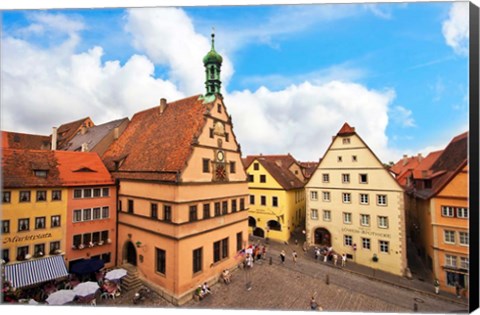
(182, 191)
(441, 202)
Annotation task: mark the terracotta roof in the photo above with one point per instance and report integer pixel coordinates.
(156, 141)
(16, 140)
(278, 167)
(67, 131)
(346, 130)
(424, 168)
(63, 168)
(308, 168)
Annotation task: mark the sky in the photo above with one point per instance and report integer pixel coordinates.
(292, 75)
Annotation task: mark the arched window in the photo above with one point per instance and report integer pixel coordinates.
(274, 225)
(252, 222)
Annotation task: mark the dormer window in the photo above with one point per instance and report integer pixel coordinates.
(40, 173)
(346, 141)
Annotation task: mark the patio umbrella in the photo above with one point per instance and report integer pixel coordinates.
(32, 302)
(116, 274)
(86, 288)
(61, 297)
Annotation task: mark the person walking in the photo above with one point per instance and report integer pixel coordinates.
(335, 258)
(282, 256)
(344, 260)
(436, 284)
(457, 289)
(294, 256)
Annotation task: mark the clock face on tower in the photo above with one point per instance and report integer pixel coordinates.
(220, 156)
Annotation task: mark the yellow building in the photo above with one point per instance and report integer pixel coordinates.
(355, 206)
(277, 198)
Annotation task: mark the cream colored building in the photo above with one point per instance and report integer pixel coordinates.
(356, 206)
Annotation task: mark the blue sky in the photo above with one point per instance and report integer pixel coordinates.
(292, 75)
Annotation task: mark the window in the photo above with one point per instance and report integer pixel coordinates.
(95, 237)
(192, 213)
(104, 236)
(224, 207)
(219, 107)
(363, 178)
(77, 240)
(24, 196)
(384, 246)
(234, 205)
(55, 221)
(263, 200)
(462, 213)
(346, 197)
(5, 255)
(197, 260)
(365, 243)
(22, 251)
(105, 212)
(40, 223)
(39, 249)
(339, 158)
(216, 251)
(326, 196)
(211, 133)
(225, 248)
(345, 178)
(77, 215)
(161, 260)
(87, 193)
(206, 210)
(130, 206)
(354, 158)
(364, 219)
(227, 136)
(105, 192)
(464, 263)
(96, 214)
(87, 214)
(327, 215)
(275, 201)
(54, 246)
(233, 168)
(263, 178)
(251, 178)
(314, 195)
(154, 210)
(87, 238)
(463, 238)
(41, 195)
(314, 214)
(256, 166)
(40, 173)
(364, 199)
(346, 140)
(239, 241)
(77, 193)
(5, 226)
(23, 224)
(347, 217)
(325, 178)
(106, 257)
(220, 250)
(382, 200)
(56, 195)
(217, 209)
(449, 236)
(206, 165)
(6, 196)
(450, 261)
(242, 203)
(448, 211)
(167, 213)
(96, 192)
(347, 240)
(383, 222)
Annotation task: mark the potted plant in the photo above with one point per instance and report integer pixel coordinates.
(375, 258)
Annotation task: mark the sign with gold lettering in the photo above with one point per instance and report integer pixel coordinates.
(365, 232)
(26, 238)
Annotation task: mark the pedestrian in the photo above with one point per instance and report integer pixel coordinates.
(317, 253)
(436, 284)
(335, 258)
(249, 261)
(294, 256)
(457, 289)
(264, 252)
(344, 260)
(325, 256)
(282, 256)
(313, 304)
(259, 253)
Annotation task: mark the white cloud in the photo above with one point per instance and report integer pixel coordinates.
(455, 28)
(402, 116)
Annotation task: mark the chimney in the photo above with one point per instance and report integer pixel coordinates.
(116, 133)
(163, 105)
(84, 147)
(419, 157)
(54, 138)
(405, 159)
(83, 130)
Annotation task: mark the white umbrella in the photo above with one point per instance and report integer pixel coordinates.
(61, 297)
(32, 302)
(86, 288)
(116, 274)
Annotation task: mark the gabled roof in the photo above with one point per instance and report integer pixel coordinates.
(424, 168)
(92, 135)
(67, 131)
(278, 167)
(19, 166)
(308, 168)
(16, 140)
(346, 130)
(158, 142)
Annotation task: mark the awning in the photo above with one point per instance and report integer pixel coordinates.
(35, 271)
(86, 266)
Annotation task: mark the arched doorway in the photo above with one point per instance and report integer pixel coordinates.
(323, 237)
(258, 232)
(252, 222)
(274, 225)
(131, 253)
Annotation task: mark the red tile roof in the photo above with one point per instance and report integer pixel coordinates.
(67, 131)
(278, 167)
(346, 130)
(158, 142)
(424, 168)
(63, 168)
(308, 168)
(16, 140)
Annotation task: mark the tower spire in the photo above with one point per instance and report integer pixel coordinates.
(212, 62)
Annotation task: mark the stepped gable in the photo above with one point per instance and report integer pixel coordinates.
(19, 166)
(278, 167)
(16, 140)
(157, 143)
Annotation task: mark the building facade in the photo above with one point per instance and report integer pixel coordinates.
(277, 196)
(182, 191)
(355, 206)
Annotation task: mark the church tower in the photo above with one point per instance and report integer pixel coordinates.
(212, 62)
